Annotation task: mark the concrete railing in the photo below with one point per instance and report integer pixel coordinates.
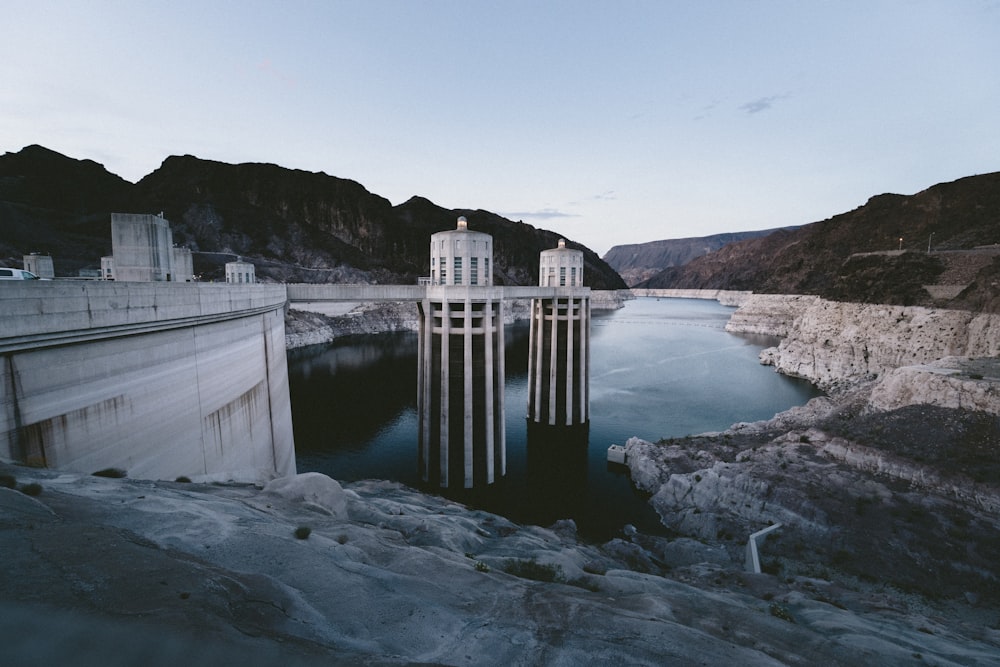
(751, 561)
(46, 313)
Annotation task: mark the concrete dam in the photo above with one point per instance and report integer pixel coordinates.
(164, 378)
(160, 379)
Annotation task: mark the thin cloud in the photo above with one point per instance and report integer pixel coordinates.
(542, 213)
(707, 110)
(607, 195)
(761, 104)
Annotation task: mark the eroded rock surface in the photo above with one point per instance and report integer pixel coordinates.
(890, 483)
(834, 344)
(116, 572)
(951, 382)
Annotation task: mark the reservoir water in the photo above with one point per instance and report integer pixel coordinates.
(660, 368)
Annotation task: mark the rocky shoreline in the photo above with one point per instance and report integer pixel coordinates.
(834, 344)
(890, 480)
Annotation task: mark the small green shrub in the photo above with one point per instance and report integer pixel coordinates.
(114, 473)
(780, 612)
(342, 538)
(8, 481)
(183, 480)
(532, 569)
(302, 532)
(481, 566)
(32, 489)
(586, 583)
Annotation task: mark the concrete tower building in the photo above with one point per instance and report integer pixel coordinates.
(40, 265)
(108, 267)
(183, 265)
(142, 246)
(560, 267)
(460, 364)
(559, 357)
(461, 257)
(240, 272)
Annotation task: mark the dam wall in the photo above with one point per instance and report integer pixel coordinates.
(160, 380)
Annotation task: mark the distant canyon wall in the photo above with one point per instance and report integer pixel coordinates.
(917, 355)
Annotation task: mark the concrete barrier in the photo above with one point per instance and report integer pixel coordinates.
(159, 379)
(39, 314)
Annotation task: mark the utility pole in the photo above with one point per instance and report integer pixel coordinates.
(929, 239)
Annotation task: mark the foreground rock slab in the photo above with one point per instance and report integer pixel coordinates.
(115, 572)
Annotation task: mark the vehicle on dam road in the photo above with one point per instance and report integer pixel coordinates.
(17, 274)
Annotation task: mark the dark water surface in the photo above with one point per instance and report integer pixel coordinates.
(659, 368)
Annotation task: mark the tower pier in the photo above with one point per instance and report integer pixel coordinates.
(460, 372)
(460, 360)
(559, 356)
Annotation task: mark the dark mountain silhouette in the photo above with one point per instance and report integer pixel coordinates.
(637, 262)
(53, 204)
(293, 225)
(832, 258)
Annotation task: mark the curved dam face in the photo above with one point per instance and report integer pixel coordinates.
(159, 379)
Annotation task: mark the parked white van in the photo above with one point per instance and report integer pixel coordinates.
(17, 274)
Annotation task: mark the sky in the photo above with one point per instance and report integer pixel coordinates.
(609, 122)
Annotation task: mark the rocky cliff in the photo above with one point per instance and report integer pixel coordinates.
(833, 344)
(891, 479)
(637, 262)
(884, 251)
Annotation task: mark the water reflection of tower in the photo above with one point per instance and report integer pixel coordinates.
(460, 364)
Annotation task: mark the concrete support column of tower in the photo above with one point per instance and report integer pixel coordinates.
(559, 342)
(461, 374)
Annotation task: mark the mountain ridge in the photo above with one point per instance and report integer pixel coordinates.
(295, 225)
(636, 262)
(876, 253)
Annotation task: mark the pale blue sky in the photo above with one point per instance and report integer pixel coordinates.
(608, 122)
